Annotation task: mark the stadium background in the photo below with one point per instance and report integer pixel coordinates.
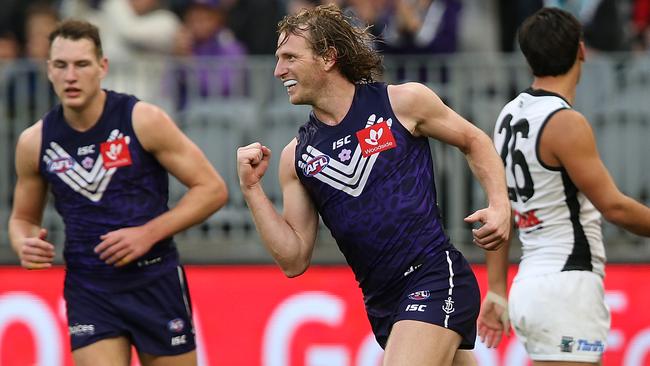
(247, 313)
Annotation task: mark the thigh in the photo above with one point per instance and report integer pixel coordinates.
(185, 359)
(561, 317)
(416, 343)
(464, 357)
(106, 352)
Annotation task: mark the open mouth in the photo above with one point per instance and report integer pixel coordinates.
(289, 83)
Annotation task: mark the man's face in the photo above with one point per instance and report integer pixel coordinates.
(75, 71)
(299, 69)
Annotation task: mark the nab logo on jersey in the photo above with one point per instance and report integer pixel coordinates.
(375, 139)
(115, 153)
(315, 165)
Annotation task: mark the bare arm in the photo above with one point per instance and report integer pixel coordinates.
(289, 237)
(568, 141)
(25, 232)
(493, 319)
(206, 193)
(421, 111)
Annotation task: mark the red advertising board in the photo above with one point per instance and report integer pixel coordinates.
(253, 315)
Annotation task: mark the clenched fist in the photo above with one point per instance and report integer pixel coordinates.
(252, 162)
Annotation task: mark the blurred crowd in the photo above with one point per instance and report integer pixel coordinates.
(235, 28)
(132, 30)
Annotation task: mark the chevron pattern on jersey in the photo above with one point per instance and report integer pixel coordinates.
(89, 183)
(350, 178)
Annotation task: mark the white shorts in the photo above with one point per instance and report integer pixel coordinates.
(561, 316)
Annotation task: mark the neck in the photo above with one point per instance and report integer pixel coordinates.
(85, 117)
(564, 85)
(334, 101)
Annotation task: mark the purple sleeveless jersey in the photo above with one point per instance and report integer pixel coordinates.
(372, 183)
(103, 180)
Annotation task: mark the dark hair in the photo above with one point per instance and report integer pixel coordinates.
(550, 40)
(76, 30)
(325, 27)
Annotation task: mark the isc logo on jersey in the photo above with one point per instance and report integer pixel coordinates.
(179, 340)
(60, 165)
(315, 165)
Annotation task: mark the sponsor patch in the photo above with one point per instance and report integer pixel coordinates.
(115, 153)
(176, 325)
(420, 295)
(587, 346)
(60, 165)
(315, 165)
(416, 307)
(375, 139)
(179, 340)
(81, 329)
(566, 344)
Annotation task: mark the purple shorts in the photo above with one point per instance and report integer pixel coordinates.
(156, 318)
(442, 291)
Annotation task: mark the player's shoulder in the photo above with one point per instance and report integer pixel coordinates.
(290, 148)
(287, 159)
(154, 127)
(566, 131)
(29, 146)
(568, 120)
(408, 91)
(32, 135)
(410, 97)
(146, 110)
(147, 116)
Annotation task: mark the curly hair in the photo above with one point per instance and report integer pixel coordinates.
(325, 28)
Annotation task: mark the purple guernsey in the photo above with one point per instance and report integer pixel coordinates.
(103, 180)
(372, 183)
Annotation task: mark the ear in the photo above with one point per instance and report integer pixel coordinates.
(49, 72)
(103, 64)
(582, 51)
(329, 58)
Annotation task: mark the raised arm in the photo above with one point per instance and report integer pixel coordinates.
(289, 237)
(25, 232)
(421, 111)
(206, 193)
(568, 141)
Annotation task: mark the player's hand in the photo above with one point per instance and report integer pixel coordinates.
(495, 228)
(252, 162)
(120, 247)
(36, 252)
(493, 320)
